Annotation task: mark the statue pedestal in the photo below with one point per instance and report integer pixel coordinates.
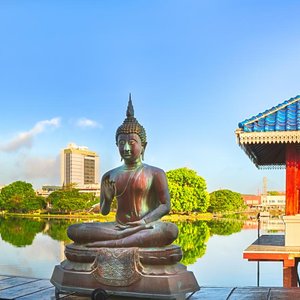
(153, 273)
(292, 229)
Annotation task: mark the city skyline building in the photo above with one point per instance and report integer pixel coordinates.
(79, 166)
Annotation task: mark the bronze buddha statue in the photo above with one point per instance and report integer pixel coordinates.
(133, 256)
(142, 196)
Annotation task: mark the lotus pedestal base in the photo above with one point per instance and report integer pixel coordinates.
(152, 273)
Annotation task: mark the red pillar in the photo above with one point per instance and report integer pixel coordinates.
(290, 277)
(292, 180)
(290, 273)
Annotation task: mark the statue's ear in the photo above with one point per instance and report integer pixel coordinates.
(145, 146)
(143, 152)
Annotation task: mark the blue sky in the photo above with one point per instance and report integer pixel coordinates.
(195, 70)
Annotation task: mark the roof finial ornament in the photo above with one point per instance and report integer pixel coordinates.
(130, 110)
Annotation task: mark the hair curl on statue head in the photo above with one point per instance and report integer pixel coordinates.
(131, 125)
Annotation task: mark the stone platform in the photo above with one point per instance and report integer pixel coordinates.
(153, 273)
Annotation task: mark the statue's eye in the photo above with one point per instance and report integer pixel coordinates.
(131, 142)
(121, 142)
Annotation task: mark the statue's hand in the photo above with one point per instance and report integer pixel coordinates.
(133, 226)
(121, 226)
(109, 189)
(136, 223)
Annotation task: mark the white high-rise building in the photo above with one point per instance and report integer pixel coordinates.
(80, 166)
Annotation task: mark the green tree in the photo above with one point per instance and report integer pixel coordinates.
(225, 201)
(68, 200)
(20, 196)
(188, 191)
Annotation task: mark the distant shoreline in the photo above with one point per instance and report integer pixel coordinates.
(111, 216)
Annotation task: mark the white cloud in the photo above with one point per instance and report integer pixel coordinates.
(84, 122)
(38, 170)
(24, 139)
(45, 168)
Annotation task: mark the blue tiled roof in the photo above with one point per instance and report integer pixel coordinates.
(283, 117)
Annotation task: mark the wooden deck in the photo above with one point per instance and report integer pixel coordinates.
(272, 248)
(21, 288)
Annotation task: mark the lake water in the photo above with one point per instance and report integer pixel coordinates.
(213, 250)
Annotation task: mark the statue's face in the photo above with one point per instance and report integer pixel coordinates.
(130, 147)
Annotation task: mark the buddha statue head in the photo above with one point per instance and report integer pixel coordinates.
(131, 134)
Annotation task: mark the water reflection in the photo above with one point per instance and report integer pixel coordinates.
(193, 236)
(212, 250)
(20, 232)
(192, 240)
(225, 227)
(57, 229)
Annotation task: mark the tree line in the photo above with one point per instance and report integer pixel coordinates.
(188, 192)
(20, 197)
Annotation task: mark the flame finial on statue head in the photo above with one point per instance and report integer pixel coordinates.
(130, 110)
(131, 125)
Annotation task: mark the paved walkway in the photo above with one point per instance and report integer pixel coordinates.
(22, 288)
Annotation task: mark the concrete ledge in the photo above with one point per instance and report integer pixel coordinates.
(292, 229)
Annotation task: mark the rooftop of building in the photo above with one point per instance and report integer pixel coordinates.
(265, 136)
(282, 117)
(74, 148)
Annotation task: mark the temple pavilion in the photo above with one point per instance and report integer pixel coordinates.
(271, 139)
